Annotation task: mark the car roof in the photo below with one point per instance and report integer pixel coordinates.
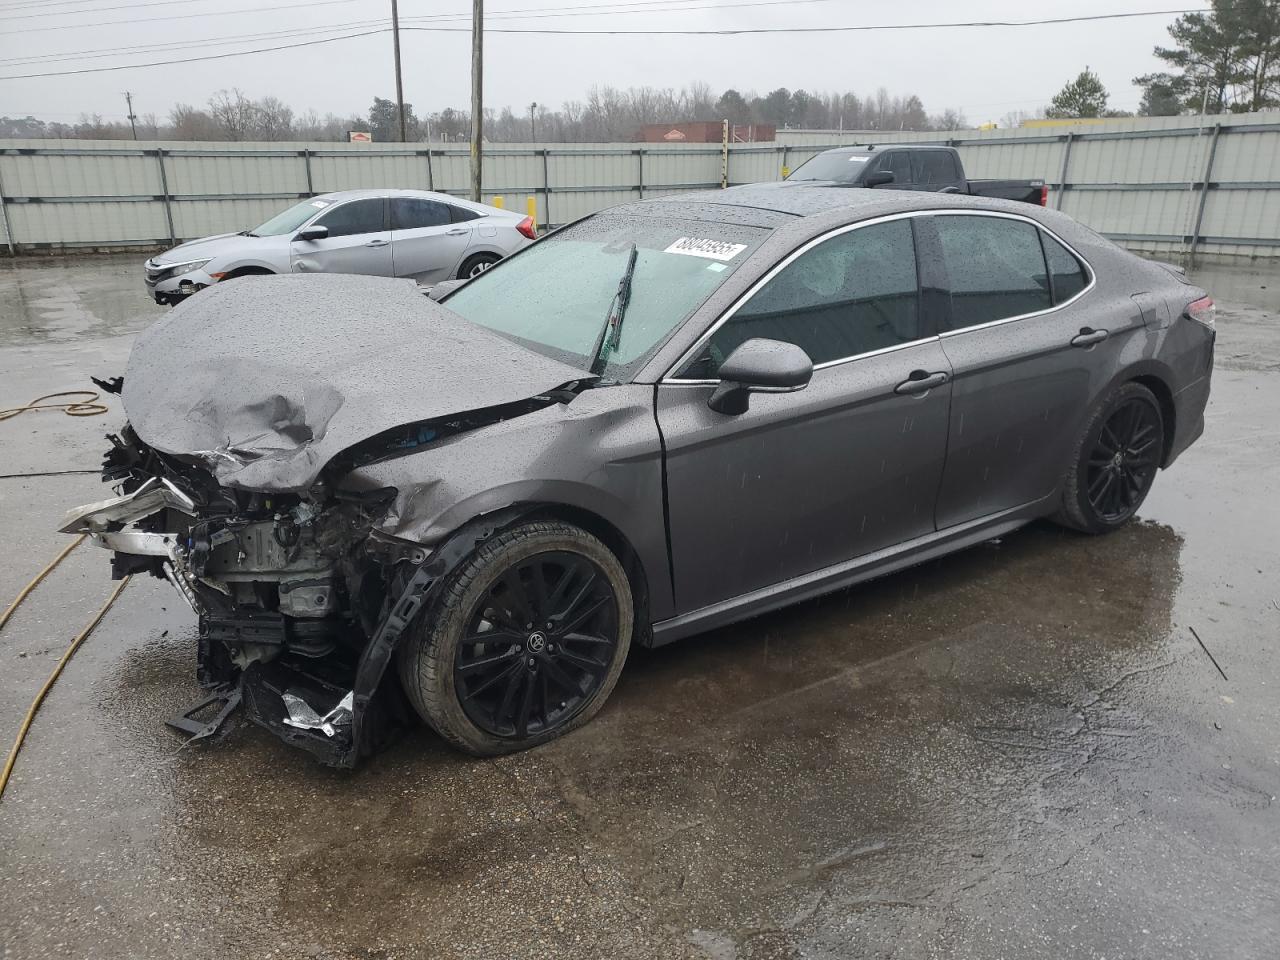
(869, 148)
(781, 202)
(341, 195)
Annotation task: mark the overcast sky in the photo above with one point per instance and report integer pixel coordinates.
(985, 72)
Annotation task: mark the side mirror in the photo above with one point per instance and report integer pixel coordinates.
(768, 366)
(312, 233)
(879, 178)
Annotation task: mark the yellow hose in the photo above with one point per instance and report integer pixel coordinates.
(85, 407)
(62, 662)
(4, 618)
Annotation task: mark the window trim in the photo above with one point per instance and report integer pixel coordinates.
(686, 357)
(386, 215)
(391, 213)
(1088, 267)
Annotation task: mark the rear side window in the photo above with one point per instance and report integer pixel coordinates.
(412, 213)
(358, 216)
(995, 267)
(852, 294)
(1069, 276)
(462, 214)
(935, 166)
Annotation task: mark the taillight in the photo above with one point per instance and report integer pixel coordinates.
(1203, 311)
(527, 228)
(1044, 194)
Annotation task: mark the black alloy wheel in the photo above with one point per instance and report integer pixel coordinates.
(1115, 461)
(537, 646)
(1123, 460)
(524, 641)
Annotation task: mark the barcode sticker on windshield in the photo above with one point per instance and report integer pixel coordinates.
(857, 159)
(701, 247)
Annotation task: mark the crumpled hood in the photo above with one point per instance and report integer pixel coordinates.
(267, 379)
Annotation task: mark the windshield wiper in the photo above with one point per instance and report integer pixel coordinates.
(246, 233)
(607, 342)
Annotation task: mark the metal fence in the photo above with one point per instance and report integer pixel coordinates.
(1158, 185)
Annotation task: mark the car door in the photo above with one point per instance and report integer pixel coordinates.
(897, 162)
(428, 238)
(805, 480)
(936, 170)
(358, 241)
(1027, 364)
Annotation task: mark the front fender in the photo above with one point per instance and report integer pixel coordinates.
(599, 454)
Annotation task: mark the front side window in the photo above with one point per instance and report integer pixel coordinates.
(897, 162)
(849, 295)
(412, 213)
(995, 267)
(554, 297)
(1069, 276)
(358, 216)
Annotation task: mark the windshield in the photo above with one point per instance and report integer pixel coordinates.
(840, 167)
(555, 296)
(291, 219)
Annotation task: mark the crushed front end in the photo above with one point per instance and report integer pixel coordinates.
(299, 606)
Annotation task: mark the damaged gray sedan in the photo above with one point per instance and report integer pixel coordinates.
(664, 418)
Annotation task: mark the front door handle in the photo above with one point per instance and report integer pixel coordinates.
(921, 382)
(377, 243)
(1087, 337)
(457, 231)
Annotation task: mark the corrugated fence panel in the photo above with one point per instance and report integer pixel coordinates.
(1138, 180)
(215, 174)
(87, 175)
(88, 223)
(202, 218)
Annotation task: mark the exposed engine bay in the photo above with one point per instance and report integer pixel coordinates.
(234, 483)
(288, 588)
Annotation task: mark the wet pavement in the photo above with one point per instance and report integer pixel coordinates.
(1017, 751)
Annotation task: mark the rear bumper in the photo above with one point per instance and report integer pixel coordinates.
(1189, 405)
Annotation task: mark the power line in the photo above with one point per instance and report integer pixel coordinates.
(748, 31)
(608, 9)
(184, 16)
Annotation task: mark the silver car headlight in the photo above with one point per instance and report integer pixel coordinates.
(182, 268)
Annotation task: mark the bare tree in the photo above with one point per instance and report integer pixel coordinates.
(233, 112)
(272, 120)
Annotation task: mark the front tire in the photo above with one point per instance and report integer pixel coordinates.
(1114, 462)
(524, 643)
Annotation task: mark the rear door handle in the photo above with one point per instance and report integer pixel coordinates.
(377, 243)
(1087, 337)
(920, 382)
(457, 231)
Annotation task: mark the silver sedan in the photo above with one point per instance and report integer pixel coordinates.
(427, 237)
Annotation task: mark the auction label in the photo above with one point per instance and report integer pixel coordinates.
(701, 247)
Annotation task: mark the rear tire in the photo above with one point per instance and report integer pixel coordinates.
(1114, 462)
(477, 264)
(524, 643)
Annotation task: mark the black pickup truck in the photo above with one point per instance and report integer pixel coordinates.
(909, 167)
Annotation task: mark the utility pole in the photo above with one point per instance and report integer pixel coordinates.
(395, 39)
(128, 98)
(477, 94)
(533, 124)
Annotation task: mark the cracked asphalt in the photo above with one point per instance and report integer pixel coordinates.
(1019, 751)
